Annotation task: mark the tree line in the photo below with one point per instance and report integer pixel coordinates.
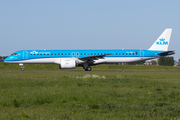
(3, 57)
(163, 61)
(166, 61)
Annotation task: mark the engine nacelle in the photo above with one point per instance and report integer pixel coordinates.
(67, 64)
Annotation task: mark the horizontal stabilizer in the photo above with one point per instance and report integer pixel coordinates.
(167, 53)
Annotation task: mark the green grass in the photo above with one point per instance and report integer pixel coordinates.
(88, 95)
(6, 66)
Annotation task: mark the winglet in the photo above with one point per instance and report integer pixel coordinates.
(162, 42)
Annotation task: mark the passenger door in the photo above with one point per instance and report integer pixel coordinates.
(25, 55)
(141, 54)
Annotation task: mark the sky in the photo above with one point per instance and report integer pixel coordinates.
(87, 24)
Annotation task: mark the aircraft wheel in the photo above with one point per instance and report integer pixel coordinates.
(22, 69)
(89, 69)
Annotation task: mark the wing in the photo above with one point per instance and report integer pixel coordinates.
(94, 57)
(167, 53)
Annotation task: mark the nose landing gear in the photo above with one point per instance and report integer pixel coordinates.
(22, 67)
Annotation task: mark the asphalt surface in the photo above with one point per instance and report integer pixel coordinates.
(83, 71)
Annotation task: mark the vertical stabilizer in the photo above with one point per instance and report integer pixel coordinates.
(162, 42)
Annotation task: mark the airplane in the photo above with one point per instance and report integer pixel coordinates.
(69, 59)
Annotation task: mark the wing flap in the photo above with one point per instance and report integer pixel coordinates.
(94, 57)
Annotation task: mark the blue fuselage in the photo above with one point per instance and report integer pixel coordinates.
(25, 55)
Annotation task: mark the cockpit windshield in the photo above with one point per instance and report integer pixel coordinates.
(14, 54)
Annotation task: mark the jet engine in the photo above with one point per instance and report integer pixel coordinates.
(67, 64)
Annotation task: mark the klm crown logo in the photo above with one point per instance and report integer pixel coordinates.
(162, 42)
(33, 52)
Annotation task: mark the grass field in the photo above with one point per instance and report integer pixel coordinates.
(107, 67)
(88, 95)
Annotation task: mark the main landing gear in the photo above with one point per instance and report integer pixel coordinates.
(86, 67)
(22, 67)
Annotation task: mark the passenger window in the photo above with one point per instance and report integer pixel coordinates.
(73, 53)
(77, 54)
(84, 53)
(62, 54)
(37, 54)
(51, 54)
(126, 53)
(68, 53)
(44, 54)
(91, 53)
(94, 53)
(129, 53)
(65, 54)
(119, 53)
(133, 53)
(58, 53)
(47, 54)
(123, 53)
(41, 54)
(116, 54)
(88, 53)
(136, 53)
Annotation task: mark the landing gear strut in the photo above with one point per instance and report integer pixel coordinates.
(86, 67)
(22, 67)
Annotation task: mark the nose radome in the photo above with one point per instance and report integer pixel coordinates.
(6, 60)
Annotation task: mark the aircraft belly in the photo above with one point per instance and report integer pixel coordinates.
(124, 59)
(40, 60)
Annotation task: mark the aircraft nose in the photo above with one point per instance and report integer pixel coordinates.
(7, 59)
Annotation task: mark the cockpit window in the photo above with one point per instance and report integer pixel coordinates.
(14, 54)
